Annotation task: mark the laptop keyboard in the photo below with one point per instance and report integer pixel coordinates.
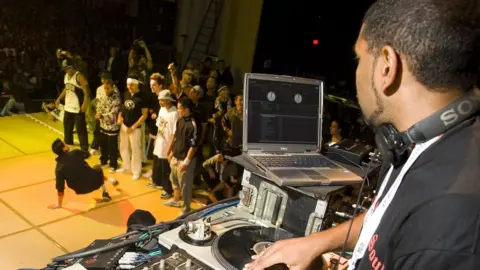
(296, 161)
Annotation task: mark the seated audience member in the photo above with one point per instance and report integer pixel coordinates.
(75, 171)
(336, 131)
(19, 99)
(224, 173)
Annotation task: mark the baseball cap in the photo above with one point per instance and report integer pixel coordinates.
(166, 94)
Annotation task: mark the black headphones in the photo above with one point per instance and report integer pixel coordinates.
(393, 145)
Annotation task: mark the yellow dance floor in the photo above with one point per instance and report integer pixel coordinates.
(30, 233)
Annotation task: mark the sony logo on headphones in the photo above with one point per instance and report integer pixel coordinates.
(462, 109)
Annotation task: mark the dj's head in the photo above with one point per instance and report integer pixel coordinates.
(59, 147)
(415, 56)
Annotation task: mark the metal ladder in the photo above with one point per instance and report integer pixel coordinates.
(201, 45)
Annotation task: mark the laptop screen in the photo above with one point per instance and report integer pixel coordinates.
(282, 112)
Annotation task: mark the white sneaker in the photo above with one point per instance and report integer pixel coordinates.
(122, 170)
(111, 170)
(172, 203)
(148, 174)
(112, 180)
(136, 176)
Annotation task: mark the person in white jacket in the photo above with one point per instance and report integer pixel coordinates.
(166, 123)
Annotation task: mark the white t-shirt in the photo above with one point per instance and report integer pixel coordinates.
(167, 124)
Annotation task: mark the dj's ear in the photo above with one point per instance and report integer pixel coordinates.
(390, 69)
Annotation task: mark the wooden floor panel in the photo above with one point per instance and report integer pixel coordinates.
(27, 187)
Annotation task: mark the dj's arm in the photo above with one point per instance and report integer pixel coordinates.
(333, 239)
(300, 253)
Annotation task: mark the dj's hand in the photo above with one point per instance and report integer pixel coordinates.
(296, 253)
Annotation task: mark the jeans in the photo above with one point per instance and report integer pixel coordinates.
(12, 104)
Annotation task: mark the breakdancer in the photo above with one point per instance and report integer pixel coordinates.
(72, 168)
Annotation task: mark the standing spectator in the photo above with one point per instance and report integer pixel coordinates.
(167, 124)
(108, 107)
(131, 118)
(76, 94)
(233, 126)
(182, 155)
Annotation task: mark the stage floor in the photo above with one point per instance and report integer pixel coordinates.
(30, 233)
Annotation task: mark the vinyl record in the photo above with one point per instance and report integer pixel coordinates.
(234, 248)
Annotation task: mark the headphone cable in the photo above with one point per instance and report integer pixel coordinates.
(357, 207)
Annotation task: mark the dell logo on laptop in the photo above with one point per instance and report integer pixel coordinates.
(283, 149)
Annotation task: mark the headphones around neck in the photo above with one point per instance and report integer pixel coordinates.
(393, 145)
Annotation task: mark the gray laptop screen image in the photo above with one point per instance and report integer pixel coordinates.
(282, 112)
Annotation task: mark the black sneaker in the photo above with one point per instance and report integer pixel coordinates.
(106, 197)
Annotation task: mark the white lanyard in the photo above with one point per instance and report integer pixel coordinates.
(376, 211)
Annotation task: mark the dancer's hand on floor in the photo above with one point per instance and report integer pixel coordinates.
(54, 206)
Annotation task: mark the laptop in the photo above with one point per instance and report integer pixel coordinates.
(282, 127)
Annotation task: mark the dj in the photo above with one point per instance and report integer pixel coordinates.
(415, 57)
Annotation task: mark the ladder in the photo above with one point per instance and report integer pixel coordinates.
(201, 45)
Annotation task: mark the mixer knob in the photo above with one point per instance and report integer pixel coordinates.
(161, 265)
(175, 255)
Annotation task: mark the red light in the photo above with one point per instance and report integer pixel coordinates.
(315, 42)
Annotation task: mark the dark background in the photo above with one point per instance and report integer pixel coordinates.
(288, 28)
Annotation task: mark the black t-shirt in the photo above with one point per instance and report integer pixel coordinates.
(199, 113)
(187, 135)
(72, 168)
(132, 108)
(433, 222)
(153, 108)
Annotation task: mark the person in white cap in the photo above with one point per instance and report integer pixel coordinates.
(167, 124)
(131, 117)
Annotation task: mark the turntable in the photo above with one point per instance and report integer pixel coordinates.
(198, 237)
(235, 248)
(227, 237)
